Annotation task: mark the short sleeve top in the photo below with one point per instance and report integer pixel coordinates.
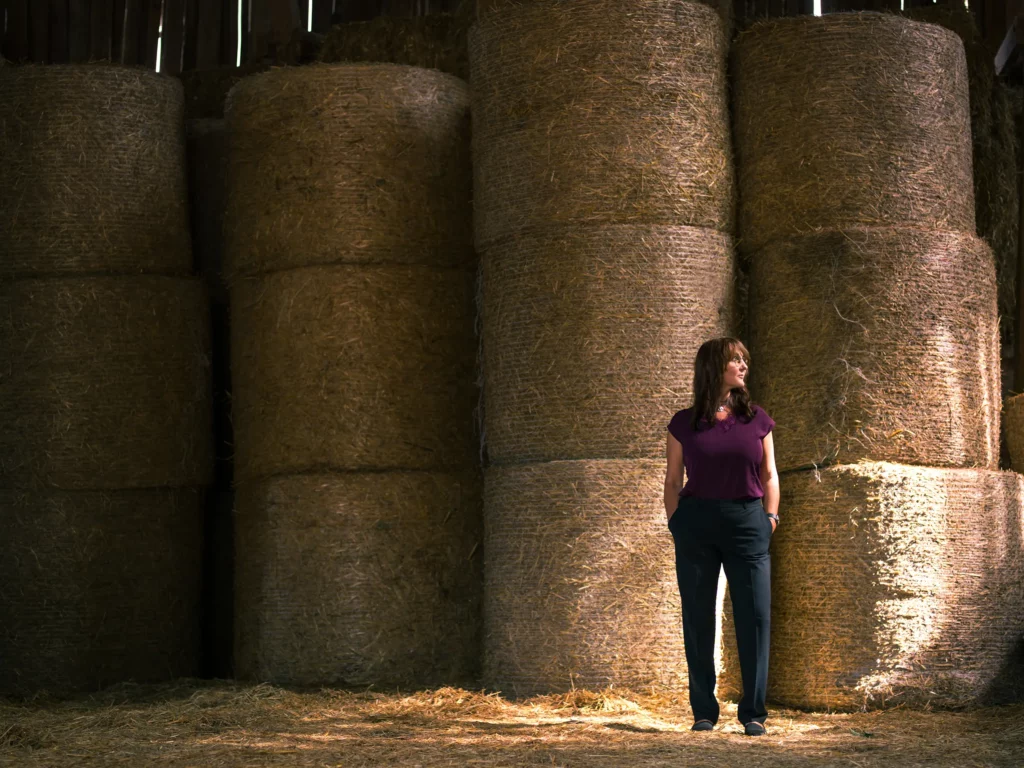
(722, 458)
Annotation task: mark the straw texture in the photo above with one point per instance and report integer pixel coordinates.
(359, 579)
(878, 343)
(435, 41)
(106, 384)
(348, 163)
(579, 588)
(207, 144)
(600, 112)
(1013, 427)
(353, 367)
(93, 175)
(98, 587)
(896, 585)
(851, 119)
(589, 336)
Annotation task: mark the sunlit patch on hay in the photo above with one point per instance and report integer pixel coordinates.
(896, 585)
(868, 346)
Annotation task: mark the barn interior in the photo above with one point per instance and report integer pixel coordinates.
(338, 339)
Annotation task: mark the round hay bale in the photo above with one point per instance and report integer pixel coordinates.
(98, 588)
(348, 163)
(579, 583)
(589, 336)
(353, 367)
(368, 578)
(895, 585)
(1013, 426)
(851, 119)
(93, 172)
(602, 112)
(878, 343)
(434, 41)
(207, 186)
(106, 384)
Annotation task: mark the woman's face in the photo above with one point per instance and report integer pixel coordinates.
(736, 372)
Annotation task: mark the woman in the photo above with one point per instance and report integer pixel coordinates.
(725, 514)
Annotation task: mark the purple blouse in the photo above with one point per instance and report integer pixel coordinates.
(722, 459)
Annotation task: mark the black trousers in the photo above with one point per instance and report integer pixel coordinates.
(709, 534)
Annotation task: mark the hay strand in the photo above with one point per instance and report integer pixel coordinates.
(893, 586)
(880, 344)
(851, 119)
(589, 336)
(348, 163)
(353, 367)
(600, 112)
(107, 383)
(579, 590)
(93, 172)
(98, 588)
(359, 579)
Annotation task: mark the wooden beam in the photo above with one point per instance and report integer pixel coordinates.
(322, 11)
(39, 31)
(79, 23)
(229, 33)
(59, 50)
(173, 37)
(101, 29)
(259, 29)
(16, 41)
(188, 59)
(208, 34)
(131, 22)
(150, 32)
(117, 31)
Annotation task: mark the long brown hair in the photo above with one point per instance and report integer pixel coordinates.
(708, 372)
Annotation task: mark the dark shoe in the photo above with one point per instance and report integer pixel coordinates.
(754, 728)
(702, 725)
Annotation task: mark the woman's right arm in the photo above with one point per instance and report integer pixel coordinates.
(673, 475)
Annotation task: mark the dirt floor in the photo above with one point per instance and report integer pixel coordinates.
(209, 723)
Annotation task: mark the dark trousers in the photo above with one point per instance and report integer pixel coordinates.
(709, 534)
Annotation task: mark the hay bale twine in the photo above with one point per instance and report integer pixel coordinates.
(579, 584)
(361, 578)
(851, 119)
(1013, 426)
(600, 112)
(98, 587)
(878, 343)
(207, 144)
(589, 336)
(348, 163)
(93, 172)
(895, 585)
(353, 367)
(107, 383)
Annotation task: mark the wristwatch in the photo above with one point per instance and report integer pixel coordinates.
(774, 517)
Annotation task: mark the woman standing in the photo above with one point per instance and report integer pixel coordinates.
(724, 515)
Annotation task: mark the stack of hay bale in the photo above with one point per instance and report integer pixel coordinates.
(897, 567)
(603, 206)
(351, 268)
(104, 385)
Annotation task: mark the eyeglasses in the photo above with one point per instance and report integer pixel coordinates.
(739, 359)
